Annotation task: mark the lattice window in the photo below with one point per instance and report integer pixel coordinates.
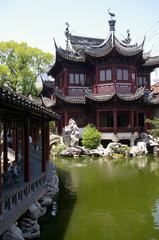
(105, 75)
(106, 119)
(122, 74)
(77, 79)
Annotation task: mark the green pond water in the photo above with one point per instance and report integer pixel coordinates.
(102, 199)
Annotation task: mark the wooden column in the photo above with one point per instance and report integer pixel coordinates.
(66, 117)
(1, 150)
(65, 85)
(33, 137)
(13, 138)
(26, 150)
(137, 121)
(132, 120)
(97, 119)
(5, 160)
(114, 77)
(97, 74)
(115, 120)
(97, 79)
(47, 141)
(44, 144)
(22, 141)
(16, 143)
(148, 115)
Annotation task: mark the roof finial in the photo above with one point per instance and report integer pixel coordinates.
(112, 15)
(67, 34)
(128, 39)
(111, 21)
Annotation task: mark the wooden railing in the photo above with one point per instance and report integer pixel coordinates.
(76, 91)
(107, 88)
(104, 88)
(119, 129)
(116, 87)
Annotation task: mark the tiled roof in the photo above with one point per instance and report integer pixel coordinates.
(70, 55)
(154, 100)
(152, 61)
(78, 41)
(10, 96)
(99, 97)
(80, 47)
(127, 50)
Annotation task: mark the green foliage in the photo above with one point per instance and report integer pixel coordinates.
(124, 149)
(57, 149)
(21, 65)
(154, 131)
(52, 127)
(91, 137)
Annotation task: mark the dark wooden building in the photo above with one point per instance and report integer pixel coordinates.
(24, 153)
(105, 82)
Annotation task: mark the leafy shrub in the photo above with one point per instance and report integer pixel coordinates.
(91, 137)
(154, 124)
(124, 149)
(57, 149)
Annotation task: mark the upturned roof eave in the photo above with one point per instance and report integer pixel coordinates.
(8, 96)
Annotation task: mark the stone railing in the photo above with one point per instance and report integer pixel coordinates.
(17, 200)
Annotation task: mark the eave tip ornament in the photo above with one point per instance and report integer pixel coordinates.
(111, 21)
(128, 39)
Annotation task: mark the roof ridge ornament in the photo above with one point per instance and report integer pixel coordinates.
(112, 15)
(111, 21)
(67, 34)
(128, 39)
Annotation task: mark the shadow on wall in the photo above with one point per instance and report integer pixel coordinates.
(55, 227)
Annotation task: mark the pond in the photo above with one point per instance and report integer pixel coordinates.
(104, 199)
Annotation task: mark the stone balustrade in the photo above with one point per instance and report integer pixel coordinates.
(17, 200)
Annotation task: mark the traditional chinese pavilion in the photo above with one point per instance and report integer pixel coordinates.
(24, 154)
(105, 82)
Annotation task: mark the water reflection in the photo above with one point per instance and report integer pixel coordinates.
(56, 227)
(106, 199)
(155, 214)
(145, 162)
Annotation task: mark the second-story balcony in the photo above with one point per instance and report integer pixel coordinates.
(109, 88)
(106, 88)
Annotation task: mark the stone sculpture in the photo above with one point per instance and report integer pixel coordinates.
(71, 134)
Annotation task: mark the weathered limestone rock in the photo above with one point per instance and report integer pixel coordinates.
(14, 233)
(29, 223)
(71, 134)
(99, 151)
(45, 201)
(71, 151)
(112, 147)
(52, 187)
(139, 149)
(37, 210)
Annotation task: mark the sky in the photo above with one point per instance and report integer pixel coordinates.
(38, 22)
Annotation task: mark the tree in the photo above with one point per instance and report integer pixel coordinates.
(154, 131)
(21, 65)
(91, 137)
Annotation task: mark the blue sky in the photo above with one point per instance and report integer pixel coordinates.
(37, 22)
